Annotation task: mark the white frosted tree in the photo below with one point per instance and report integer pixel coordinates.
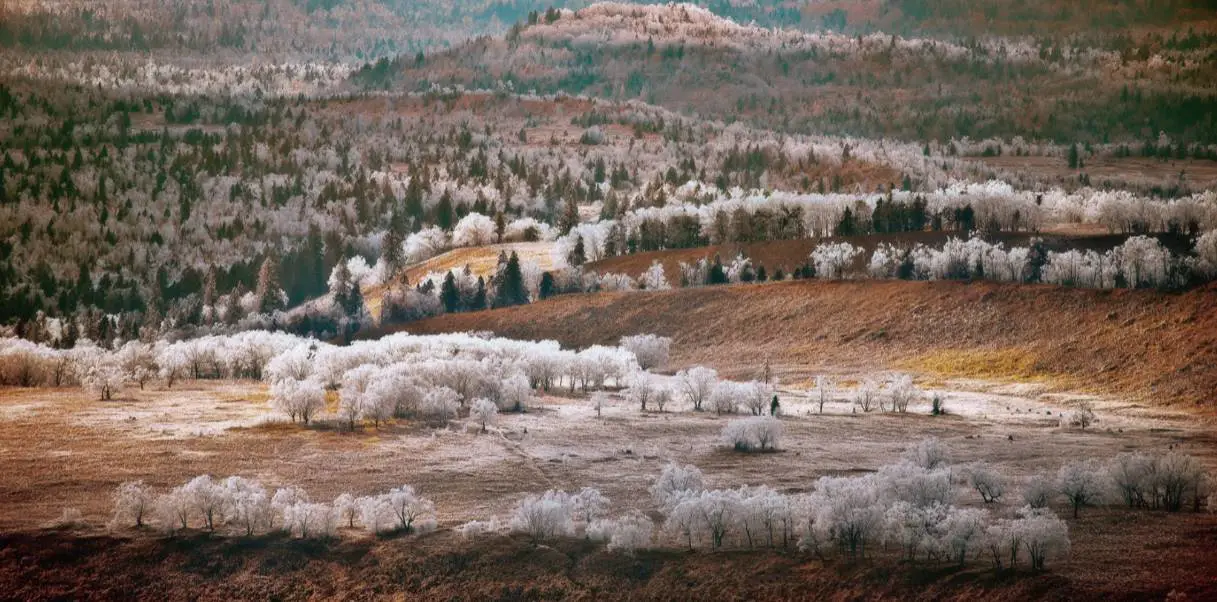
(697, 384)
(483, 412)
(755, 433)
(651, 350)
(1083, 483)
(825, 389)
(833, 259)
(544, 517)
(987, 481)
(674, 482)
(298, 399)
(653, 279)
(133, 504)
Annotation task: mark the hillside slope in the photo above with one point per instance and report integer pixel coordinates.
(1150, 346)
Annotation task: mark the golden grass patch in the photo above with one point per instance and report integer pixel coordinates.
(1011, 363)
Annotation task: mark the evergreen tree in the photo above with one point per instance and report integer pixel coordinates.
(846, 227)
(347, 296)
(510, 290)
(449, 295)
(570, 215)
(414, 200)
(209, 294)
(479, 296)
(1075, 161)
(1037, 258)
(546, 288)
(391, 251)
(716, 275)
(268, 292)
(500, 226)
(577, 256)
(444, 212)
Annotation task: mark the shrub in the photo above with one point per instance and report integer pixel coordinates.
(1081, 417)
(756, 433)
(1039, 492)
(630, 533)
(544, 517)
(928, 454)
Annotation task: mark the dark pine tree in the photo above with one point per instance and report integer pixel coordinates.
(546, 289)
(511, 289)
(577, 255)
(479, 296)
(449, 296)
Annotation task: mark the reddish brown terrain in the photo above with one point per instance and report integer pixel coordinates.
(1158, 348)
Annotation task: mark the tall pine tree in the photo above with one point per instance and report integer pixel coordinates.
(511, 290)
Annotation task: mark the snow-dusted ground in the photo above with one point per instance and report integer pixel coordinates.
(65, 449)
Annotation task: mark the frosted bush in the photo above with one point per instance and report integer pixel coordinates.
(756, 433)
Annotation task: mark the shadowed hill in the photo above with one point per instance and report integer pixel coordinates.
(1151, 346)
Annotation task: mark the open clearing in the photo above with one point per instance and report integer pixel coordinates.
(61, 449)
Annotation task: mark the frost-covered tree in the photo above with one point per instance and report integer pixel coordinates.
(439, 404)
(1082, 483)
(298, 399)
(642, 389)
(138, 362)
(133, 503)
(1081, 417)
(825, 388)
(208, 498)
(755, 433)
(248, 505)
(1040, 491)
(589, 505)
(347, 508)
(483, 412)
(1206, 253)
(102, 375)
(903, 392)
(675, 482)
(929, 454)
(412, 511)
(987, 481)
(697, 384)
(629, 533)
(354, 402)
(866, 396)
(651, 350)
(833, 259)
(653, 279)
(544, 517)
(963, 531)
(1041, 534)
(474, 230)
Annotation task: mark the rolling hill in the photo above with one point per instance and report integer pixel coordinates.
(1152, 347)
